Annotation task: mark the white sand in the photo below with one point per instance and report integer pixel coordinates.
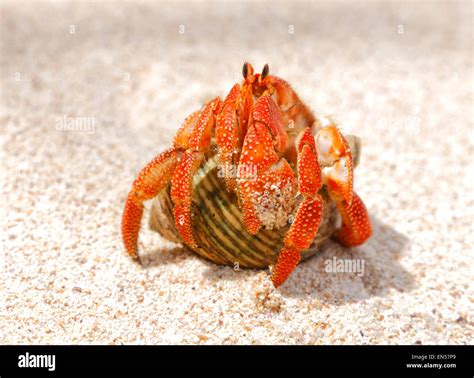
(65, 276)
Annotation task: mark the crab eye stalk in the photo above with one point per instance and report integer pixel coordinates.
(265, 72)
(245, 70)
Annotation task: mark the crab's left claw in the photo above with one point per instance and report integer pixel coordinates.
(336, 159)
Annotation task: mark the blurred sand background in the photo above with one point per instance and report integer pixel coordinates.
(399, 75)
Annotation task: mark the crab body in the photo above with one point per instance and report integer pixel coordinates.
(279, 162)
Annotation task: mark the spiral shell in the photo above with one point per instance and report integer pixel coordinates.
(217, 221)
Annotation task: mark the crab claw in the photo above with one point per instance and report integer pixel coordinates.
(335, 158)
(264, 143)
(253, 193)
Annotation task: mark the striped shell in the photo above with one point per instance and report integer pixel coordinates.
(217, 221)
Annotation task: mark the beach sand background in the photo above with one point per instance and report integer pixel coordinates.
(399, 75)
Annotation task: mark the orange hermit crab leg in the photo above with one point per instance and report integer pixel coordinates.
(308, 216)
(228, 135)
(151, 180)
(198, 143)
(288, 101)
(356, 227)
(159, 172)
(336, 158)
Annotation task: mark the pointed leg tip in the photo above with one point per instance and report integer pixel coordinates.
(192, 243)
(347, 239)
(252, 228)
(131, 220)
(131, 249)
(357, 227)
(277, 280)
(287, 261)
(276, 284)
(133, 254)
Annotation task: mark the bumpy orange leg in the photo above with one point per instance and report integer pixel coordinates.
(197, 142)
(181, 194)
(228, 136)
(151, 180)
(356, 227)
(336, 158)
(177, 164)
(308, 216)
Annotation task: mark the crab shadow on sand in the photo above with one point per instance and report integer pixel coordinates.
(382, 271)
(380, 255)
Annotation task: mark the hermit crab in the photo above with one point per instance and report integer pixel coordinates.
(253, 180)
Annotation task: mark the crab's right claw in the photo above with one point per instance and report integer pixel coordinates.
(151, 180)
(336, 158)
